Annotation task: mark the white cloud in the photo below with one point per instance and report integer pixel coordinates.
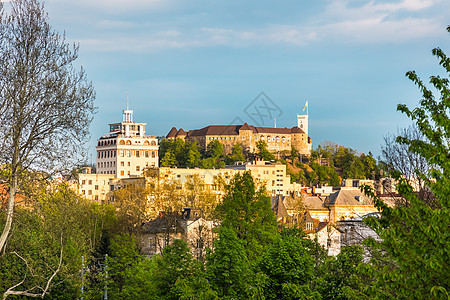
(341, 21)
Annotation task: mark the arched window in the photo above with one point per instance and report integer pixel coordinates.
(278, 139)
(146, 143)
(153, 143)
(121, 142)
(128, 142)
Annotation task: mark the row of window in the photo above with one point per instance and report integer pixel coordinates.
(106, 153)
(146, 143)
(128, 153)
(106, 164)
(137, 153)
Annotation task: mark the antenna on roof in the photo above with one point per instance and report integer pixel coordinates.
(127, 99)
(275, 123)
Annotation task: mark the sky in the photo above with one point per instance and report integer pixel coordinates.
(194, 63)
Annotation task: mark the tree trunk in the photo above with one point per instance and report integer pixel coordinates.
(9, 213)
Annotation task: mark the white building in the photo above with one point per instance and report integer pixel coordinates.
(125, 151)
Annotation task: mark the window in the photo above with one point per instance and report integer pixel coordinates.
(128, 153)
(122, 173)
(153, 154)
(137, 153)
(96, 197)
(128, 172)
(83, 192)
(96, 187)
(121, 142)
(90, 181)
(121, 153)
(83, 181)
(129, 164)
(146, 153)
(138, 168)
(153, 143)
(90, 192)
(122, 163)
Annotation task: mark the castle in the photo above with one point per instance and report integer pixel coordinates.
(278, 139)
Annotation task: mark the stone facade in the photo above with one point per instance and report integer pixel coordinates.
(278, 139)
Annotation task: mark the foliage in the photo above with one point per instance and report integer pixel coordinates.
(289, 268)
(412, 259)
(340, 273)
(132, 207)
(248, 211)
(59, 226)
(262, 150)
(123, 259)
(228, 269)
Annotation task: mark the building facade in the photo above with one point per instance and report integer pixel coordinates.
(277, 139)
(125, 150)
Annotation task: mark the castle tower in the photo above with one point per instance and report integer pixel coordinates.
(302, 123)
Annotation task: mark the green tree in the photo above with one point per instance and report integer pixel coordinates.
(43, 256)
(412, 259)
(263, 152)
(340, 273)
(121, 263)
(169, 159)
(228, 268)
(289, 267)
(193, 156)
(247, 210)
(176, 264)
(214, 149)
(237, 153)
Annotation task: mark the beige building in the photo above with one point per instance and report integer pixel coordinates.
(272, 175)
(278, 139)
(125, 150)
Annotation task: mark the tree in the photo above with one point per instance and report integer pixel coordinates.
(412, 259)
(262, 150)
(46, 105)
(237, 153)
(340, 272)
(397, 157)
(43, 256)
(169, 159)
(289, 267)
(132, 207)
(247, 210)
(214, 149)
(228, 268)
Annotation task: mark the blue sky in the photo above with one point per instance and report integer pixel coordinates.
(193, 63)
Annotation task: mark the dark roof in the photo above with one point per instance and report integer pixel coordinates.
(181, 132)
(234, 130)
(273, 130)
(165, 221)
(313, 203)
(348, 197)
(216, 130)
(296, 130)
(245, 127)
(278, 207)
(172, 133)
